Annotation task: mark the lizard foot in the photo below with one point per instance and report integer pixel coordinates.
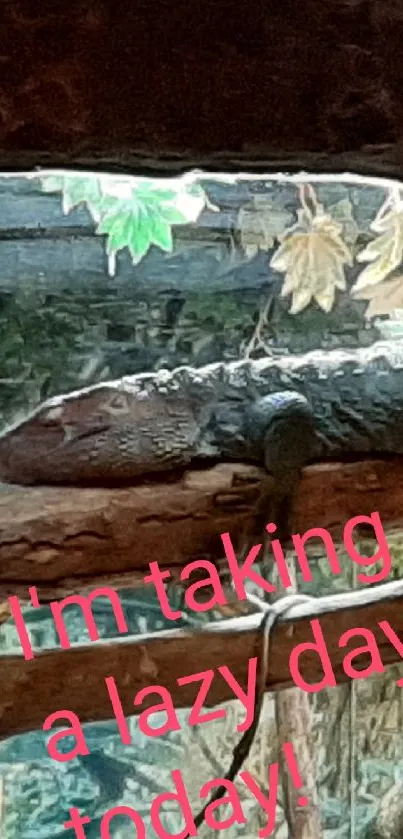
(285, 423)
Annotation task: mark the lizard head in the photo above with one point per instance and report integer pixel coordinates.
(103, 435)
(45, 447)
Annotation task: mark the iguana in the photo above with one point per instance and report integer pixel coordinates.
(278, 412)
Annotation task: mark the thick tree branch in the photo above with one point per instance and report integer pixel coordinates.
(67, 540)
(55, 678)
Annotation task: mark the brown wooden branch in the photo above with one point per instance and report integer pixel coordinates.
(53, 680)
(66, 540)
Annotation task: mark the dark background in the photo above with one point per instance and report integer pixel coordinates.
(166, 85)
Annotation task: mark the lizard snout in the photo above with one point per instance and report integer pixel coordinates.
(26, 449)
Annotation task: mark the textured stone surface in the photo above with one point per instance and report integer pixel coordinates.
(167, 85)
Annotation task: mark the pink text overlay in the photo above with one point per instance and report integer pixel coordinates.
(156, 698)
(267, 802)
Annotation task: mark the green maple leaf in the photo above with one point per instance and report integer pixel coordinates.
(131, 214)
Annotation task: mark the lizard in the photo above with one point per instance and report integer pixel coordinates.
(279, 412)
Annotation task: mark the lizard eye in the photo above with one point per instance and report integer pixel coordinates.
(118, 404)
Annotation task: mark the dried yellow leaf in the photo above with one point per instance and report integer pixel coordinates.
(385, 253)
(384, 298)
(260, 222)
(312, 255)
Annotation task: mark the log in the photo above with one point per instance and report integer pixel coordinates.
(65, 540)
(55, 678)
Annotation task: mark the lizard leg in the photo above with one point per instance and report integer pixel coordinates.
(284, 423)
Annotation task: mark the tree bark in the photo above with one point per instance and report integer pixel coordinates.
(65, 540)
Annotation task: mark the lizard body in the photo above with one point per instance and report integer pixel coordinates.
(281, 412)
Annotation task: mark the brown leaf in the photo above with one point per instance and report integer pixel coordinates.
(384, 298)
(312, 255)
